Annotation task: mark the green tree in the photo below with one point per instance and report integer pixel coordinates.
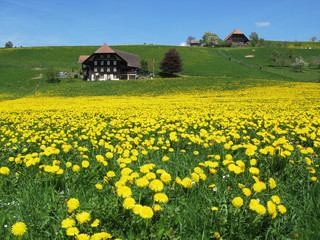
(316, 61)
(52, 75)
(9, 45)
(210, 39)
(144, 68)
(254, 39)
(171, 62)
(277, 58)
(314, 38)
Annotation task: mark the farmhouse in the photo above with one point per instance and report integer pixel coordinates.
(237, 38)
(109, 64)
(195, 42)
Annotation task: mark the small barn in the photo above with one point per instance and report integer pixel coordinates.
(195, 42)
(109, 64)
(237, 38)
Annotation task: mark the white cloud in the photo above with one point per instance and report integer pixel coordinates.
(183, 44)
(263, 24)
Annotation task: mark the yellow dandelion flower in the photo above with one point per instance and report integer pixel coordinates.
(217, 235)
(73, 203)
(272, 209)
(161, 197)
(282, 209)
(19, 228)
(156, 185)
(129, 203)
(82, 236)
(4, 170)
(246, 191)
(254, 170)
(83, 217)
(146, 212)
(85, 164)
(157, 208)
(109, 155)
(95, 223)
(73, 231)
(165, 158)
(214, 208)
(98, 186)
(124, 191)
(111, 174)
(137, 208)
(68, 222)
(75, 168)
(165, 178)
(272, 183)
(276, 199)
(237, 202)
(142, 182)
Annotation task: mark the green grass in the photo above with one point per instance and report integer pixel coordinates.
(18, 68)
(262, 55)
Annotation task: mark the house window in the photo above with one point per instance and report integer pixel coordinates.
(108, 69)
(101, 56)
(114, 63)
(102, 70)
(102, 62)
(95, 63)
(83, 66)
(108, 55)
(114, 69)
(96, 69)
(108, 63)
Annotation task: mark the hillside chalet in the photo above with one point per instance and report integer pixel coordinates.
(109, 64)
(237, 38)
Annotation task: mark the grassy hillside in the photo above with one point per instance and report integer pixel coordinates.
(260, 56)
(20, 67)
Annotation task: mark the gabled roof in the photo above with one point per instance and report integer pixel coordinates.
(132, 59)
(237, 31)
(104, 49)
(83, 58)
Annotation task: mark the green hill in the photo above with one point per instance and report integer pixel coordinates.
(21, 69)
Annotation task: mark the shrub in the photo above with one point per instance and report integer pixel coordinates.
(52, 75)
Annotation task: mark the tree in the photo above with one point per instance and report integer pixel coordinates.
(299, 62)
(144, 68)
(317, 61)
(52, 75)
(9, 45)
(254, 39)
(314, 38)
(171, 62)
(277, 58)
(211, 40)
(189, 39)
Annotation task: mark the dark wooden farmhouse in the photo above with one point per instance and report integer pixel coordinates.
(109, 64)
(237, 38)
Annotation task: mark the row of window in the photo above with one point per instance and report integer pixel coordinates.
(103, 63)
(108, 69)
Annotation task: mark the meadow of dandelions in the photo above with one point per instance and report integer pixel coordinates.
(214, 165)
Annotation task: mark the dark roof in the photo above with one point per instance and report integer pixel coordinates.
(235, 32)
(132, 59)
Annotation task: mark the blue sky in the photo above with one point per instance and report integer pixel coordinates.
(165, 22)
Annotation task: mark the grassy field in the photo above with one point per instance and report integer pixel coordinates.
(232, 162)
(228, 152)
(262, 55)
(19, 66)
